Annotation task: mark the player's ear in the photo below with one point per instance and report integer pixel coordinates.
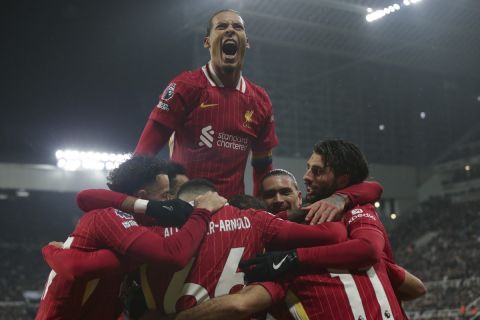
(247, 44)
(299, 198)
(206, 42)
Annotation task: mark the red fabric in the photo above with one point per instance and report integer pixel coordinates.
(396, 274)
(153, 138)
(119, 232)
(365, 247)
(92, 199)
(362, 251)
(258, 173)
(174, 251)
(75, 264)
(233, 235)
(362, 193)
(215, 128)
(323, 293)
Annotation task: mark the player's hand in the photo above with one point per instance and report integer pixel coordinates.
(269, 266)
(56, 244)
(326, 210)
(210, 201)
(169, 213)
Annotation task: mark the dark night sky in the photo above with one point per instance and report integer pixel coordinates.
(84, 74)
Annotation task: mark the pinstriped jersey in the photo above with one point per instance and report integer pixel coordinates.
(216, 127)
(233, 235)
(342, 294)
(65, 298)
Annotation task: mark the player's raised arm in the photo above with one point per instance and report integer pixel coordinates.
(167, 213)
(179, 248)
(333, 208)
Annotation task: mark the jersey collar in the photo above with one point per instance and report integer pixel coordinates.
(215, 81)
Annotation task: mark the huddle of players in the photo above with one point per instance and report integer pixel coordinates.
(323, 274)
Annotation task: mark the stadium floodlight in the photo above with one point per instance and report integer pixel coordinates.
(381, 127)
(373, 15)
(72, 160)
(423, 115)
(393, 216)
(377, 204)
(467, 167)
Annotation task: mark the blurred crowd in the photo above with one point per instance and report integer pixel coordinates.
(440, 243)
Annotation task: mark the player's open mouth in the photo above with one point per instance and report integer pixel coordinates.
(229, 49)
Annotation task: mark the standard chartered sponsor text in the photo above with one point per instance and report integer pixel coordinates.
(230, 141)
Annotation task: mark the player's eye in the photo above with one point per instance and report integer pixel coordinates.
(238, 26)
(269, 194)
(318, 171)
(286, 192)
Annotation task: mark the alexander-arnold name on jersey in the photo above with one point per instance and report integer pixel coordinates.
(223, 225)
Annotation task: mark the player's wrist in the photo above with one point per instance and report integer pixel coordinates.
(168, 213)
(343, 200)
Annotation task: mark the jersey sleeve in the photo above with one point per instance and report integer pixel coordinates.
(279, 234)
(75, 264)
(276, 290)
(364, 248)
(363, 216)
(362, 193)
(176, 101)
(267, 138)
(92, 199)
(396, 274)
(116, 229)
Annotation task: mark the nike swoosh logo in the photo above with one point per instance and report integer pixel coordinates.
(276, 266)
(205, 105)
(169, 208)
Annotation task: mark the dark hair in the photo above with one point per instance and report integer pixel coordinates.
(196, 186)
(344, 158)
(136, 173)
(210, 21)
(278, 172)
(245, 201)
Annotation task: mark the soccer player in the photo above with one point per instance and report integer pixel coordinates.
(144, 177)
(217, 114)
(349, 280)
(279, 190)
(233, 234)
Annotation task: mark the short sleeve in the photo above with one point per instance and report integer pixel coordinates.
(178, 98)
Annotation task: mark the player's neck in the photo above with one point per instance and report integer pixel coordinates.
(229, 79)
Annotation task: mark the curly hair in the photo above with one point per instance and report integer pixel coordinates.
(136, 173)
(344, 158)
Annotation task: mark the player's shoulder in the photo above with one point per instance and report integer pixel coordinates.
(107, 213)
(362, 212)
(190, 78)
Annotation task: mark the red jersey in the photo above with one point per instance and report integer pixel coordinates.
(216, 127)
(65, 298)
(343, 294)
(233, 235)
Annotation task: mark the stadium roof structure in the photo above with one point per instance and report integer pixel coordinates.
(403, 87)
